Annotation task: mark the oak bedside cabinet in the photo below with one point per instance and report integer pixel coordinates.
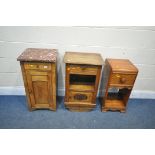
(39, 74)
(119, 78)
(82, 80)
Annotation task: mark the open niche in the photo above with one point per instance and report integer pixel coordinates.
(116, 98)
(82, 82)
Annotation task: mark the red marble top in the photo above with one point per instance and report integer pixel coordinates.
(38, 54)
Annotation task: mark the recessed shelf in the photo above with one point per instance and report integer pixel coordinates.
(82, 82)
(81, 86)
(114, 101)
(114, 104)
(83, 79)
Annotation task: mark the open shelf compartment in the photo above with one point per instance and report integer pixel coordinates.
(116, 99)
(82, 82)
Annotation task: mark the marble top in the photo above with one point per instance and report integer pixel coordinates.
(38, 54)
(83, 58)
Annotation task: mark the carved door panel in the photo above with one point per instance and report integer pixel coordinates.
(80, 96)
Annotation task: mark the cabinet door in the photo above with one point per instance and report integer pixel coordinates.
(40, 88)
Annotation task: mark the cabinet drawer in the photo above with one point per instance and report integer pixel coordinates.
(80, 97)
(40, 66)
(122, 79)
(83, 69)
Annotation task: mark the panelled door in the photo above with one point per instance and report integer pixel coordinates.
(40, 88)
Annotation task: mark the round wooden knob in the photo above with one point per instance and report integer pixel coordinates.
(122, 80)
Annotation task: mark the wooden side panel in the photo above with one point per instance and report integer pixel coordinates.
(107, 78)
(52, 88)
(104, 79)
(105, 82)
(67, 83)
(97, 83)
(26, 85)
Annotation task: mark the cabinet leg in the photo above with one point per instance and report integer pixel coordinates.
(30, 108)
(123, 111)
(104, 110)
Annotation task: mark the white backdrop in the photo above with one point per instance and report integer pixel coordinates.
(134, 43)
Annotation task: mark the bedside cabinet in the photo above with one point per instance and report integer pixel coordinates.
(82, 79)
(119, 78)
(39, 75)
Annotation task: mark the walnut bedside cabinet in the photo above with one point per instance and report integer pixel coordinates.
(39, 74)
(119, 78)
(82, 79)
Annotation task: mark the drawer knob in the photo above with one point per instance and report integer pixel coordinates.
(118, 76)
(45, 66)
(122, 80)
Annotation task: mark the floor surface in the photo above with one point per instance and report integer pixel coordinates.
(15, 115)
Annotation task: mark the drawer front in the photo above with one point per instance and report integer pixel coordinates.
(80, 97)
(83, 69)
(122, 79)
(40, 66)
